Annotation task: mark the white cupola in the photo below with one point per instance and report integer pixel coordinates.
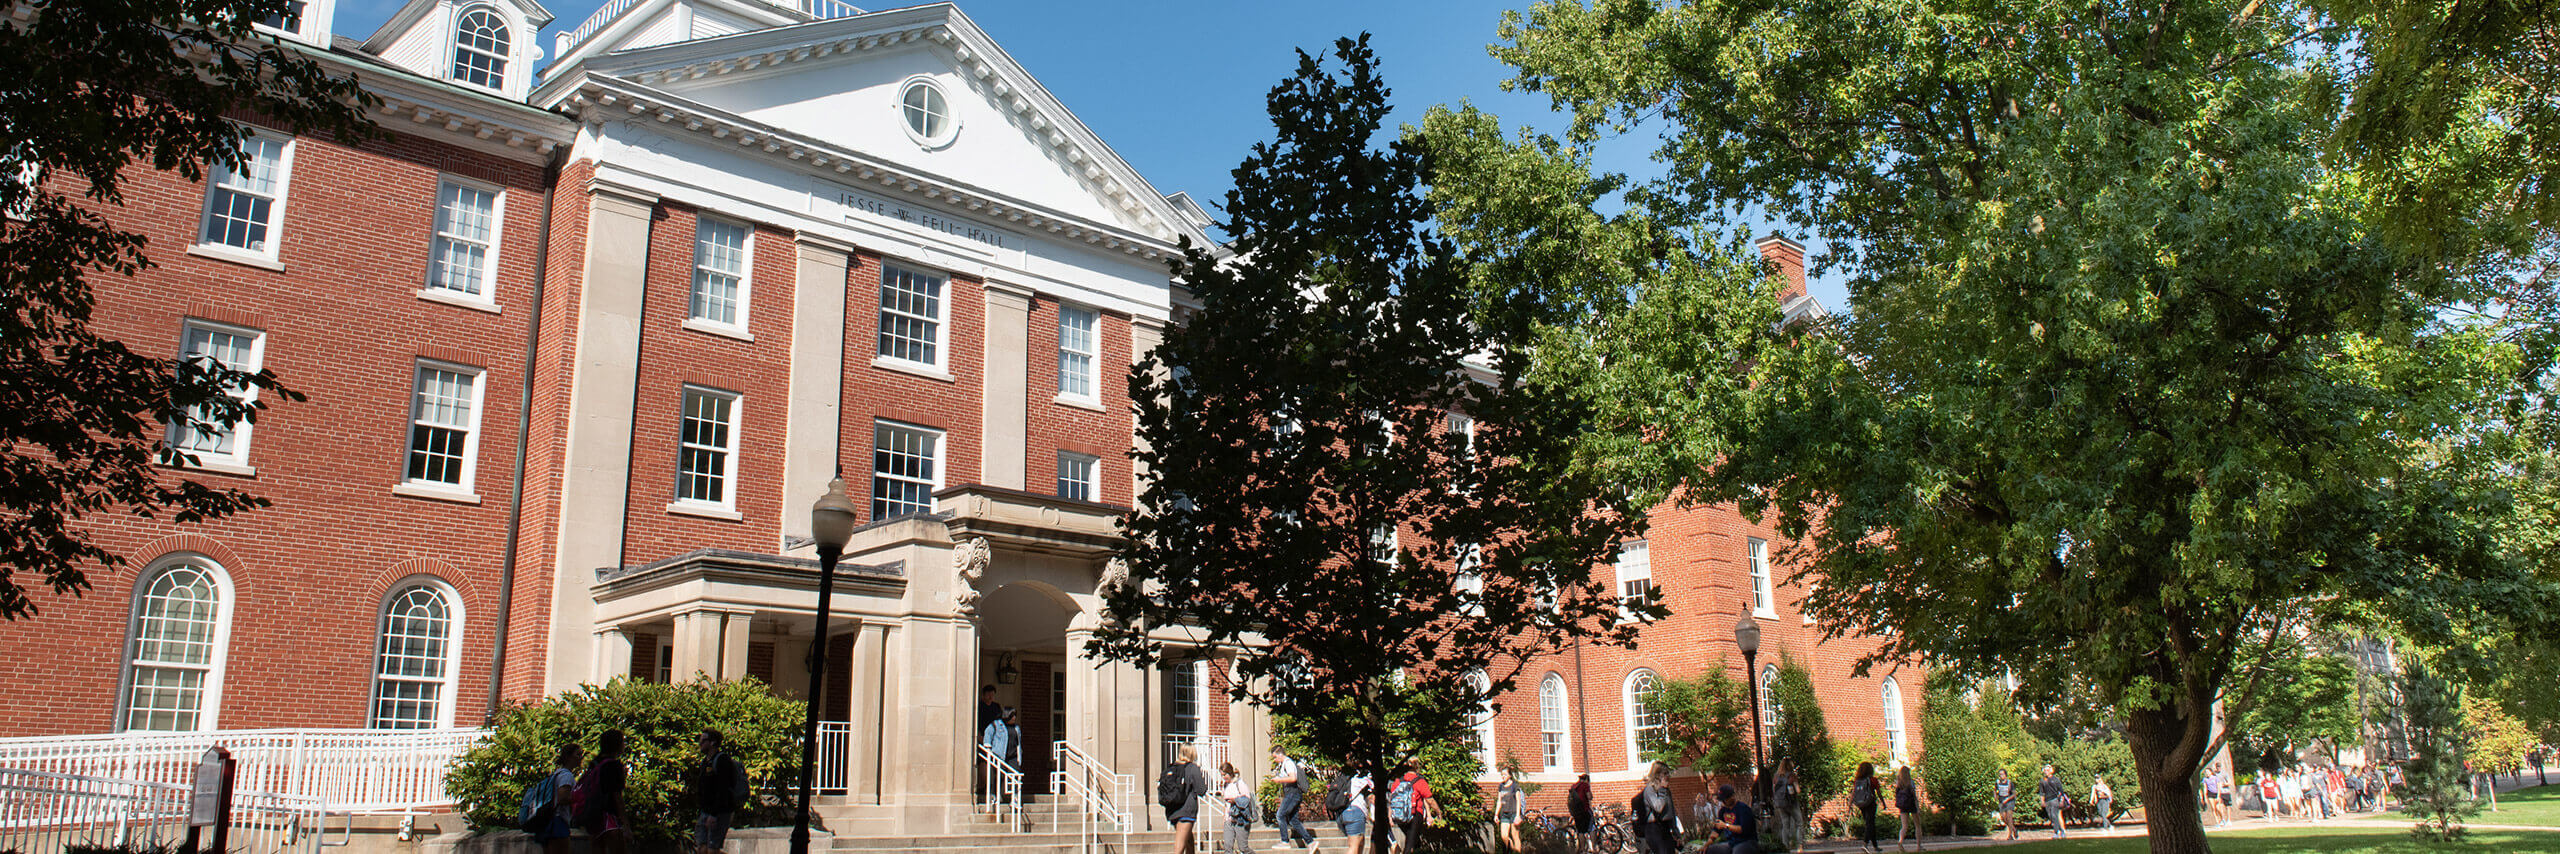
(486, 45)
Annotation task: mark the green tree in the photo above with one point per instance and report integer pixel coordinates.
(1705, 721)
(2308, 699)
(1804, 736)
(1313, 504)
(2439, 790)
(2127, 358)
(93, 88)
(2498, 742)
(1959, 756)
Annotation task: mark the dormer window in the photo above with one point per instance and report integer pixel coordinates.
(480, 49)
(288, 21)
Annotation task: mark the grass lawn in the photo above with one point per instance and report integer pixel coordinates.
(2535, 807)
(2329, 839)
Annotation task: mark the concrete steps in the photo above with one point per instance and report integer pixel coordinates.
(1053, 828)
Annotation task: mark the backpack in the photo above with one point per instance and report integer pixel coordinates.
(541, 802)
(739, 788)
(1173, 788)
(1400, 801)
(1864, 795)
(1337, 797)
(1240, 812)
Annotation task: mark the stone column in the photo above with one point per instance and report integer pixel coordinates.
(869, 675)
(1144, 334)
(733, 644)
(1007, 398)
(696, 645)
(812, 430)
(612, 654)
(595, 479)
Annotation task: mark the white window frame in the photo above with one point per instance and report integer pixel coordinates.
(702, 269)
(471, 439)
(1764, 604)
(1555, 724)
(937, 459)
(313, 12)
(1389, 549)
(445, 685)
(209, 692)
(1895, 745)
(937, 345)
(442, 235)
(236, 459)
(1196, 695)
(1092, 480)
(1482, 723)
(1633, 703)
(938, 137)
(1468, 577)
(1634, 567)
(506, 61)
(1464, 426)
(1068, 356)
(265, 254)
(728, 451)
(1770, 710)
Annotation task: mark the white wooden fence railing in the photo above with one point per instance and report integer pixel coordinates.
(835, 757)
(353, 771)
(43, 813)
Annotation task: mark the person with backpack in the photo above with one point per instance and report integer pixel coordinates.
(1656, 822)
(1349, 802)
(1293, 789)
(1179, 792)
(2004, 794)
(1906, 806)
(546, 811)
(1237, 795)
(1508, 808)
(1577, 806)
(1410, 809)
(599, 797)
(2050, 791)
(719, 786)
(1786, 806)
(1862, 794)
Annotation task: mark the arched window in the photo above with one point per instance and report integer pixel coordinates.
(1644, 722)
(480, 48)
(173, 658)
(1551, 724)
(1482, 721)
(1769, 706)
(1893, 720)
(413, 671)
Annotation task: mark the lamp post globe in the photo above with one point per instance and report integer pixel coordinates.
(830, 526)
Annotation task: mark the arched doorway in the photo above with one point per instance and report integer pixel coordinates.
(1022, 651)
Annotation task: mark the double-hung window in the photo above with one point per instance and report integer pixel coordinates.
(1635, 577)
(1552, 746)
(1077, 346)
(239, 349)
(466, 241)
(244, 203)
(444, 426)
(707, 448)
(174, 649)
(1078, 476)
(1469, 580)
(911, 316)
(906, 467)
(413, 669)
(720, 274)
(1762, 603)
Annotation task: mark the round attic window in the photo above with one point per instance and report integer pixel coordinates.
(928, 115)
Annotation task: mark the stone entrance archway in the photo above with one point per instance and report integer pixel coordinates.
(1022, 651)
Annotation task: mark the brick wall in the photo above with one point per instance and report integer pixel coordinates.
(873, 393)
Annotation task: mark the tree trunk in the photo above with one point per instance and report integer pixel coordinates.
(2167, 746)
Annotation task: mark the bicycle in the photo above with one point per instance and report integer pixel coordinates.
(1616, 834)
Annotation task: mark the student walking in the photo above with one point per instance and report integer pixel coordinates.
(1293, 789)
(1577, 806)
(1411, 808)
(2104, 798)
(1906, 805)
(719, 784)
(600, 797)
(1862, 794)
(997, 737)
(1656, 821)
(1179, 792)
(1786, 806)
(1353, 814)
(2212, 799)
(1507, 809)
(1238, 796)
(2004, 792)
(549, 803)
(2050, 791)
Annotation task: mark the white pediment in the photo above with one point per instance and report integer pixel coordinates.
(841, 83)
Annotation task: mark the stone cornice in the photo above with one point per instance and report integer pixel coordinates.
(597, 99)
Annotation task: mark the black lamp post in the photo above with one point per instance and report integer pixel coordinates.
(1746, 636)
(830, 524)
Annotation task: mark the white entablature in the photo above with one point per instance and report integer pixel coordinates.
(918, 102)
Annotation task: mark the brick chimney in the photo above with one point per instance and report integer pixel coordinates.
(1788, 256)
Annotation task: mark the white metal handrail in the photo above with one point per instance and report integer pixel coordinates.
(1003, 785)
(835, 758)
(1212, 748)
(41, 811)
(817, 10)
(1102, 798)
(355, 771)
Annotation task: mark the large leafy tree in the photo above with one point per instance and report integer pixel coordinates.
(1803, 736)
(2307, 699)
(2129, 370)
(1316, 506)
(1959, 756)
(88, 90)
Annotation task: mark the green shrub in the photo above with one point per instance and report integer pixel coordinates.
(659, 723)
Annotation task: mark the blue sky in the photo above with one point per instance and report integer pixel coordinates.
(1177, 87)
